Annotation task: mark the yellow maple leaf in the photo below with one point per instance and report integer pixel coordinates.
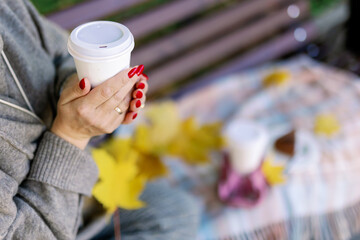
(210, 135)
(119, 184)
(272, 172)
(126, 164)
(164, 122)
(144, 140)
(326, 124)
(151, 167)
(120, 148)
(277, 78)
(162, 126)
(195, 143)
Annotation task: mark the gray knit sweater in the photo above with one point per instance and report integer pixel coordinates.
(42, 177)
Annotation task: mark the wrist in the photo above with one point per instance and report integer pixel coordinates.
(69, 136)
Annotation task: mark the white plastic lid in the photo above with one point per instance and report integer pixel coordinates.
(100, 40)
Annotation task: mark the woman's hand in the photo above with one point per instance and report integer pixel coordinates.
(84, 112)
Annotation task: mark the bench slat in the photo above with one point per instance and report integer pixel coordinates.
(200, 31)
(167, 15)
(244, 37)
(270, 50)
(80, 13)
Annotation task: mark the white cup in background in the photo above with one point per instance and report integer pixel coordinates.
(247, 142)
(100, 50)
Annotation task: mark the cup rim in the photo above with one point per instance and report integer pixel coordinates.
(75, 55)
(91, 52)
(261, 133)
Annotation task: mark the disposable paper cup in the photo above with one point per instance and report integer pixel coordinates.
(247, 142)
(100, 50)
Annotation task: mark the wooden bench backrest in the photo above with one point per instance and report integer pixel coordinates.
(222, 37)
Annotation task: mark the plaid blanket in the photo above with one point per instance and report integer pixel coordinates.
(321, 196)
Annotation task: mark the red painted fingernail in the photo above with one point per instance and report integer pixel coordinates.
(139, 94)
(132, 72)
(141, 85)
(146, 76)
(135, 115)
(82, 84)
(140, 69)
(138, 103)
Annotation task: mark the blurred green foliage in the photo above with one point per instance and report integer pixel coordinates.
(318, 6)
(48, 6)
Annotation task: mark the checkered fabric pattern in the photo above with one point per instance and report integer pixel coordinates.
(321, 197)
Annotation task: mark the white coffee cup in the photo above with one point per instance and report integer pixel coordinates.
(100, 50)
(247, 142)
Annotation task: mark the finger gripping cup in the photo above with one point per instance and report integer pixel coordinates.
(100, 50)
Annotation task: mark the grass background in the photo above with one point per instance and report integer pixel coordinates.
(48, 6)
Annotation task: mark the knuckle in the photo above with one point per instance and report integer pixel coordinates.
(127, 100)
(82, 110)
(106, 92)
(123, 80)
(124, 106)
(118, 96)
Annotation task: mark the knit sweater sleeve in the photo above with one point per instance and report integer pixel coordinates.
(46, 203)
(42, 177)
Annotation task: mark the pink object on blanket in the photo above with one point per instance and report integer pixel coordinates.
(241, 190)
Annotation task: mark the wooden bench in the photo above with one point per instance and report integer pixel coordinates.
(187, 42)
